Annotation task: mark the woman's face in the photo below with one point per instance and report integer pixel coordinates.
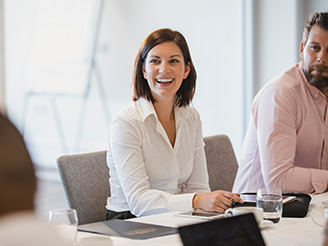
(164, 70)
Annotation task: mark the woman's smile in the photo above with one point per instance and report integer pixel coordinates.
(165, 69)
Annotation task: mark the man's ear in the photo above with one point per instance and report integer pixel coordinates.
(302, 50)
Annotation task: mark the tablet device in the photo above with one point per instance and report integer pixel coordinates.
(201, 215)
(237, 230)
(247, 198)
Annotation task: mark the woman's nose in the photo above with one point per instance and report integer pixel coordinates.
(163, 67)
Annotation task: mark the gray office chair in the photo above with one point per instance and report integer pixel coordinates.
(221, 162)
(85, 180)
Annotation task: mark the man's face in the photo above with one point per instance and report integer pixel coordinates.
(314, 57)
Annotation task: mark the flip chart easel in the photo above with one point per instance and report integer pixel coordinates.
(62, 58)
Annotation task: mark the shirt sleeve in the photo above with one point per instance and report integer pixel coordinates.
(198, 181)
(275, 116)
(126, 147)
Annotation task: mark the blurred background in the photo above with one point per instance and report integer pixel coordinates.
(66, 66)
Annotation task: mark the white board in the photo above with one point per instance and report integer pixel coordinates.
(62, 50)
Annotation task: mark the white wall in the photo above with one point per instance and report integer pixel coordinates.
(278, 31)
(213, 29)
(275, 47)
(2, 81)
(214, 37)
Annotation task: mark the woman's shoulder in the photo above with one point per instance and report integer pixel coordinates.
(126, 117)
(135, 112)
(129, 111)
(126, 120)
(188, 112)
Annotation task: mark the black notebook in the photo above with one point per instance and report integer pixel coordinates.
(297, 207)
(129, 229)
(238, 230)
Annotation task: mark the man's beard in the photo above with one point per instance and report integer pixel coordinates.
(318, 79)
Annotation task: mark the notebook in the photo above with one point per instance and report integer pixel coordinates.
(237, 230)
(129, 229)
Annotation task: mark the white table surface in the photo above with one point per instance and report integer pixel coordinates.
(288, 232)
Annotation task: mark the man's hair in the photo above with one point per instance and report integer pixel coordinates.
(320, 19)
(141, 88)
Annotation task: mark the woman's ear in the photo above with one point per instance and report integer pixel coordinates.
(187, 70)
(144, 72)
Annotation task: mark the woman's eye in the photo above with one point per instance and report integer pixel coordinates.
(174, 61)
(154, 61)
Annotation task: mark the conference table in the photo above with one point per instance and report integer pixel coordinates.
(289, 231)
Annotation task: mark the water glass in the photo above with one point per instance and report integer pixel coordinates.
(270, 200)
(65, 222)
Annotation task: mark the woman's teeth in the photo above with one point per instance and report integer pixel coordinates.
(164, 80)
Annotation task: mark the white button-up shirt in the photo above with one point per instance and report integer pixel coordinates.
(147, 174)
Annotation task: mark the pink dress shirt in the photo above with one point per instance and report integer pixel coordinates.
(285, 144)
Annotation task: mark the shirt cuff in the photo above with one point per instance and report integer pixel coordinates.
(180, 202)
(319, 180)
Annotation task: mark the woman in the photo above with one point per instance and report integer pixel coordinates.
(156, 150)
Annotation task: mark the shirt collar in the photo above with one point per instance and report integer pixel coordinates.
(145, 108)
(181, 113)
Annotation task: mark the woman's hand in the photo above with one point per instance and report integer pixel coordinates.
(217, 201)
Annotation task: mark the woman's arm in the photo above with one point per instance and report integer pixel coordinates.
(198, 180)
(218, 200)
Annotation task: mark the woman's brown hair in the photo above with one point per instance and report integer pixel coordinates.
(141, 88)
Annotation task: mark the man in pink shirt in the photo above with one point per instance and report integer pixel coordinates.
(286, 144)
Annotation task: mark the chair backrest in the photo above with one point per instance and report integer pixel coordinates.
(85, 180)
(221, 162)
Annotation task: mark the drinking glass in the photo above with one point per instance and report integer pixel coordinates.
(323, 215)
(65, 222)
(270, 200)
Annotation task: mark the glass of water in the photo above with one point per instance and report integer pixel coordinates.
(270, 200)
(65, 222)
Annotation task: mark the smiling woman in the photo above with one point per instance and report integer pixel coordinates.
(165, 50)
(164, 70)
(156, 152)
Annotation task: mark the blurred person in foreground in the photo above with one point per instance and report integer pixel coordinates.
(286, 144)
(19, 224)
